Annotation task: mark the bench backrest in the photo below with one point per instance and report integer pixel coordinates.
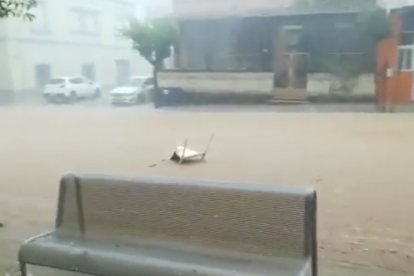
(249, 218)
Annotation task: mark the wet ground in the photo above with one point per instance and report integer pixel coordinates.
(360, 163)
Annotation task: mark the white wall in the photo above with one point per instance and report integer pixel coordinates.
(6, 78)
(61, 22)
(156, 8)
(392, 4)
(67, 59)
(65, 48)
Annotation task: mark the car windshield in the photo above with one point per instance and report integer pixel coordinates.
(56, 81)
(134, 82)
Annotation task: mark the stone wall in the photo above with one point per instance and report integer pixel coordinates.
(255, 83)
(259, 83)
(328, 84)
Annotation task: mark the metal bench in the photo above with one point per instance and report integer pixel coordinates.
(112, 226)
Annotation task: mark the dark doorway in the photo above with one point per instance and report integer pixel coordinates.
(42, 74)
(89, 72)
(122, 71)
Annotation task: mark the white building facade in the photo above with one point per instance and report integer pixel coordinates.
(68, 38)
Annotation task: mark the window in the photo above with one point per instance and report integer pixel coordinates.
(40, 22)
(85, 21)
(406, 39)
(293, 37)
(405, 58)
(76, 80)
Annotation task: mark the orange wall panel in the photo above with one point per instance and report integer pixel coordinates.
(397, 88)
(402, 87)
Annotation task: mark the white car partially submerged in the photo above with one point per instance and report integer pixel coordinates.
(134, 91)
(70, 89)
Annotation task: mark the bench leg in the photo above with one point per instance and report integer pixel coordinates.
(23, 269)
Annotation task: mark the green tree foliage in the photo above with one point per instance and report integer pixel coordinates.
(333, 5)
(370, 27)
(17, 8)
(374, 24)
(372, 21)
(153, 39)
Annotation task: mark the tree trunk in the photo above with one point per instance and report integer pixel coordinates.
(155, 75)
(156, 92)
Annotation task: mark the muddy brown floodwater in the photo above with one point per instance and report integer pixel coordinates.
(361, 164)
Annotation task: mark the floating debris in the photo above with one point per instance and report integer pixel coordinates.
(183, 154)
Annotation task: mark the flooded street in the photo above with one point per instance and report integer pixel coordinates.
(360, 165)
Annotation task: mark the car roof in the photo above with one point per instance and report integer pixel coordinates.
(139, 77)
(66, 77)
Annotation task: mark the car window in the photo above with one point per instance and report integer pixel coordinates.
(76, 80)
(56, 81)
(149, 81)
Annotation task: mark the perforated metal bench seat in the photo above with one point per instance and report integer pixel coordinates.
(114, 226)
(108, 259)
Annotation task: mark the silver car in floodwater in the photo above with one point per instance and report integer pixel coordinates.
(134, 91)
